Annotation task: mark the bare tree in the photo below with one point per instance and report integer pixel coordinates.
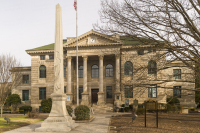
(171, 24)
(7, 63)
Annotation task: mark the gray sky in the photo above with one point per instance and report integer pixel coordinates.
(27, 24)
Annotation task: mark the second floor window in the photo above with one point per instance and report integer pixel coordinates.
(80, 91)
(25, 79)
(152, 67)
(128, 68)
(42, 57)
(51, 57)
(109, 70)
(95, 71)
(80, 71)
(42, 71)
(177, 73)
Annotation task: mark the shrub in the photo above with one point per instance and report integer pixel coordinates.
(69, 110)
(82, 112)
(13, 100)
(174, 109)
(140, 111)
(21, 109)
(169, 107)
(46, 105)
(179, 107)
(173, 101)
(126, 109)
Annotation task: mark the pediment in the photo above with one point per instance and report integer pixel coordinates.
(93, 38)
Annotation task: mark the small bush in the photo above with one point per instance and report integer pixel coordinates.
(174, 109)
(46, 105)
(126, 109)
(173, 101)
(140, 111)
(179, 107)
(82, 112)
(21, 109)
(169, 107)
(69, 110)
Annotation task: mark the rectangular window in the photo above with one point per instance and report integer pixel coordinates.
(80, 91)
(25, 95)
(140, 52)
(64, 89)
(40, 109)
(51, 57)
(25, 79)
(42, 93)
(80, 72)
(42, 57)
(177, 91)
(64, 71)
(152, 91)
(128, 91)
(109, 91)
(177, 73)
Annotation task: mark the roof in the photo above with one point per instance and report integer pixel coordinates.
(46, 47)
(137, 40)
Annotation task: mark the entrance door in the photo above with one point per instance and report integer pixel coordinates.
(94, 95)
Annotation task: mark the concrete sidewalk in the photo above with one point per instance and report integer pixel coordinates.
(99, 125)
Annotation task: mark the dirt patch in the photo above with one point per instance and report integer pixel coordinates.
(172, 123)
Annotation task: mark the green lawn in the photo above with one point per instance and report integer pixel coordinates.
(16, 122)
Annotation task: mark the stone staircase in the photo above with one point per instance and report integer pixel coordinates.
(102, 108)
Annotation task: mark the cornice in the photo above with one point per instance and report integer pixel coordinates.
(39, 51)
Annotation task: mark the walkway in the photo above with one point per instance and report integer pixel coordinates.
(99, 125)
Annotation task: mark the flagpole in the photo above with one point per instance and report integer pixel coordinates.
(77, 83)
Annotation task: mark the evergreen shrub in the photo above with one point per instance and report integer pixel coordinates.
(69, 109)
(21, 109)
(46, 105)
(169, 107)
(82, 112)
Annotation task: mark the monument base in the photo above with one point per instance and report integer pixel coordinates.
(59, 119)
(85, 100)
(100, 98)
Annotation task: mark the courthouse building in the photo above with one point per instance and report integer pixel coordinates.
(111, 69)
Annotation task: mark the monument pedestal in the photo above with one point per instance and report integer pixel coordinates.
(85, 100)
(100, 98)
(59, 119)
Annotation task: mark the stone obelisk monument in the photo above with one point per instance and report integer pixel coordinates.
(59, 119)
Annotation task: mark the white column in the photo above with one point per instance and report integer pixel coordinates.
(69, 74)
(84, 73)
(117, 72)
(101, 73)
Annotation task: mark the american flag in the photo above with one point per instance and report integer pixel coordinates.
(75, 4)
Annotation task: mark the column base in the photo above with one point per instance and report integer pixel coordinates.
(85, 98)
(70, 100)
(59, 119)
(101, 100)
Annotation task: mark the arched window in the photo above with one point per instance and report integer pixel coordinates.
(128, 68)
(152, 67)
(64, 67)
(42, 71)
(95, 71)
(109, 70)
(80, 71)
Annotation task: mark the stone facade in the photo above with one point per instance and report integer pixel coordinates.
(99, 49)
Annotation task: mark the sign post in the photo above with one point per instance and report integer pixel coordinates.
(151, 105)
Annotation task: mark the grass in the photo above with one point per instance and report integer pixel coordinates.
(16, 122)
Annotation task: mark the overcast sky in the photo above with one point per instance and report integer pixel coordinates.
(27, 24)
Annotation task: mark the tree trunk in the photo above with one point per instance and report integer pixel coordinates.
(1, 110)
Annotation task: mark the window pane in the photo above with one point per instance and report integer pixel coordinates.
(80, 72)
(95, 71)
(109, 91)
(128, 68)
(42, 93)
(80, 91)
(42, 57)
(128, 92)
(51, 57)
(154, 92)
(25, 79)
(25, 94)
(109, 70)
(42, 71)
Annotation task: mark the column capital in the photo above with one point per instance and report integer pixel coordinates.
(85, 57)
(117, 56)
(101, 57)
(69, 58)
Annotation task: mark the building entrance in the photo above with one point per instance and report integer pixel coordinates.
(94, 95)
